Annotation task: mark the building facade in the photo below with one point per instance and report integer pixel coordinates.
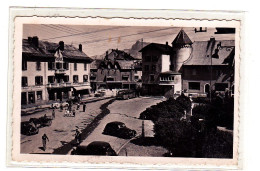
(118, 70)
(186, 66)
(52, 71)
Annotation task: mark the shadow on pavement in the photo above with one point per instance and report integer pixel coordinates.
(146, 141)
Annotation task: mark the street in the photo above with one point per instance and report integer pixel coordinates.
(62, 130)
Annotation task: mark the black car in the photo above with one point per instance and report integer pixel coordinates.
(42, 121)
(119, 129)
(98, 148)
(29, 128)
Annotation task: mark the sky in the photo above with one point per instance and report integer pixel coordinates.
(96, 40)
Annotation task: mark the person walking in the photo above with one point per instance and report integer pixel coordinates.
(53, 114)
(44, 139)
(77, 136)
(84, 107)
(78, 106)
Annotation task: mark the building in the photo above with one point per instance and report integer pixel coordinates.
(52, 71)
(192, 67)
(116, 71)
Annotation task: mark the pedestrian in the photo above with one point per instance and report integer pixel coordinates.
(61, 107)
(84, 107)
(74, 112)
(78, 106)
(53, 114)
(44, 138)
(77, 136)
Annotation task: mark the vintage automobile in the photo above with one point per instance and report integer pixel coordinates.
(98, 148)
(42, 121)
(119, 129)
(125, 94)
(57, 105)
(29, 128)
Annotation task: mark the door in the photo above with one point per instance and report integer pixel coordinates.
(207, 88)
(31, 97)
(23, 98)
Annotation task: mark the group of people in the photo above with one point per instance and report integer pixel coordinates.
(77, 134)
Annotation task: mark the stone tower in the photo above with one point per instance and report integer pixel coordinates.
(182, 47)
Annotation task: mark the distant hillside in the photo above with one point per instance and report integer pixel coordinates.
(134, 51)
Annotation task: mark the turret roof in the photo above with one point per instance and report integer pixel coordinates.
(182, 39)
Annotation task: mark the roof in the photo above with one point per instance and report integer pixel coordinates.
(95, 64)
(163, 48)
(126, 64)
(181, 39)
(202, 50)
(121, 55)
(47, 49)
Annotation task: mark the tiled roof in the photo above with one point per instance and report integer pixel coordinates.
(48, 49)
(126, 64)
(202, 50)
(95, 64)
(165, 49)
(181, 39)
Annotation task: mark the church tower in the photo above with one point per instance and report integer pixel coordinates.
(182, 48)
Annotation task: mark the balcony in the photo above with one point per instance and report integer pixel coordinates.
(60, 71)
(58, 85)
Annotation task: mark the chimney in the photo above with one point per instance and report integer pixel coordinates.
(29, 39)
(80, 47)
(35, 41)
(167, 44)
(61, 44)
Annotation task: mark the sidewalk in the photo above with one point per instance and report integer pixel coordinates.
(40, 108)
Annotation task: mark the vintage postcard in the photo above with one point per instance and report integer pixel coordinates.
(106, 90)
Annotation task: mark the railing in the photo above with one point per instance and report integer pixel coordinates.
(60, 71)
(68, 84)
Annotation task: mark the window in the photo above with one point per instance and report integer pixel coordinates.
(153, 67)
(38, 80)
(137, 77)
(110, 79)
(125, 77)
(39, 95)
(66, 65)
(85, 78)
(148, 58)
(24, 82)
(75, 67)
(66, 78)
(221, 86)
(51, 79)
(58, 65)
(51, 65)
(75, 78)
(85, 67)
(146, 67)
(194, 85)
(151, 77)
(38, 66)
(24, 65)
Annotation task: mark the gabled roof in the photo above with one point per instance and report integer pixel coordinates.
(95, 64)
(202, 50)
(163, 48)
(121, 55)
(126, 64)
(182, 39)
(47, 49)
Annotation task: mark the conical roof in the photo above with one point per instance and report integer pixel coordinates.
(182, 39)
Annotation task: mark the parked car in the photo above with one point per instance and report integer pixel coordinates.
(99, 148)
(42, 121)
(126, 94)
(57, 105)
(29, 128)
(99, 94)
(119, 129)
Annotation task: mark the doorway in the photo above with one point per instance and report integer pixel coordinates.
(207, 88)
(31, 97)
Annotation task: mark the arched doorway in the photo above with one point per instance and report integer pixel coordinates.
(206, 88)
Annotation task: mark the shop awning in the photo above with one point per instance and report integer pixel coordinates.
(82, 88)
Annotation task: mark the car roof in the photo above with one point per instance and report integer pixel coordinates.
(99, 143)
(116, 122)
